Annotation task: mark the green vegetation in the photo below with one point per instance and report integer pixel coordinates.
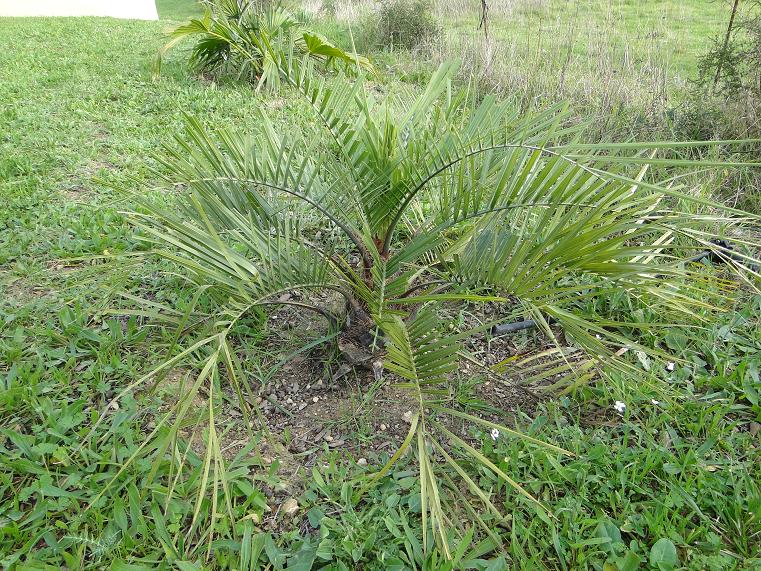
(178, 9)
(401, 24)
(236, 38)
(181, 473)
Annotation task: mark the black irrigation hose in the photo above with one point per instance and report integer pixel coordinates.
(723, 255)
(505, 328)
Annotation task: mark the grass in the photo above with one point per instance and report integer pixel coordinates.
(178, 9)
(657, 34)
(665, 486)
(628, 67)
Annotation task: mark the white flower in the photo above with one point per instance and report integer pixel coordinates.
(620, 406)
(494, 434)
(655, 402)
(670, 366)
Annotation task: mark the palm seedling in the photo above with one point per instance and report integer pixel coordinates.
(241, 39)
(438, 200)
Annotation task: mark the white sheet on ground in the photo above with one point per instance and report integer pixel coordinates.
(132, 9)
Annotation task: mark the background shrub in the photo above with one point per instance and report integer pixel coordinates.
(733, 64)
(405, 24)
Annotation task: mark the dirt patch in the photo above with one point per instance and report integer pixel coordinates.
(18, 292)
(63, 266)
(79, 190)
(75, 193)
(294, 413)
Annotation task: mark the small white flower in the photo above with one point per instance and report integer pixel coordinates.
(494, 434)
(670, 366)
(655, 402)
(620, 406)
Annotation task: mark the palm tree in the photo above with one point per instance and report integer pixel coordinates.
(240, 38)
(438, 199)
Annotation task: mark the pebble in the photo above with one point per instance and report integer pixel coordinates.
(315, 399)
(289, 507)
(362, 462)
(754, 428)
(407, 417)
(383, 427)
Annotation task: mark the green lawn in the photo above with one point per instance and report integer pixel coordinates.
(673, 485)
(178, 9)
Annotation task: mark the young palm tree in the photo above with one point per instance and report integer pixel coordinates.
(438, 200)
(242, 39)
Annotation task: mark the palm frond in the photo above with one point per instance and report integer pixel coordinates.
(229, 250)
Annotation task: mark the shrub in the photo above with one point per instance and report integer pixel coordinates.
(328, 8)
(733, 64)
(405, 24)
(241, 39)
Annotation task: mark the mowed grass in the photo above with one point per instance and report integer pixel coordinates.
(665, 486)
(178, 9)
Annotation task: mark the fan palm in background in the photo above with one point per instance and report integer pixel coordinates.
(240, 39)
(438, 200)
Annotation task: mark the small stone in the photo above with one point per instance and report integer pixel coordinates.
(315, 399)
(362, 462)
(289, 507)
(754, 428)
(328, 438)
(378, 370)
(383, 427)
(407, 417)
(289, 401)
